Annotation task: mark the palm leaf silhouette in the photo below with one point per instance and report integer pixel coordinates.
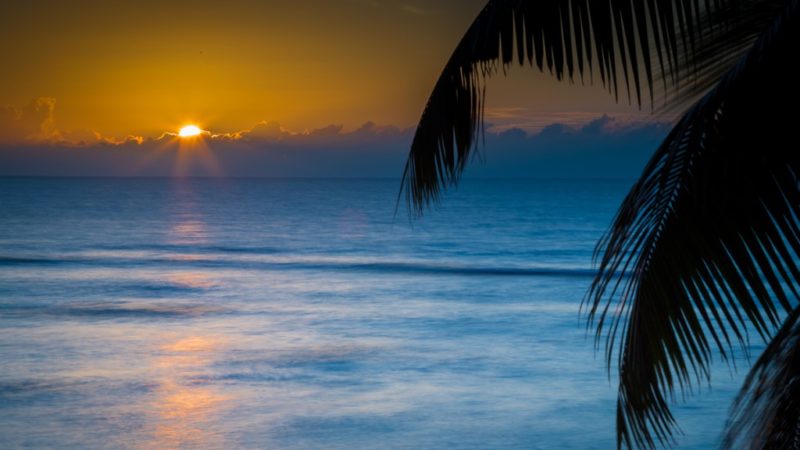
(765, 414)
(709, 234)
(685, 43)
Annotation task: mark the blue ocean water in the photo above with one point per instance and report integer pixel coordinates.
(303, 314)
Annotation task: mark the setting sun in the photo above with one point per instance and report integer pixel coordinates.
(189, 131)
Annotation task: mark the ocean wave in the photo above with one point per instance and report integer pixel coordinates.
(449, 269)
(250, 377)
(48, 387)
(17, 260)
(24, 386)
(310, 263)
(256, 250)
(157, 288)
(109, 310)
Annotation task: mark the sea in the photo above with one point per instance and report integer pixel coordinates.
(310, 314)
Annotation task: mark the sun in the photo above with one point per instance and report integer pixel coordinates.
(189, 131)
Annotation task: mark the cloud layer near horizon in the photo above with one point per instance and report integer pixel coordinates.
(602, 148)
(576, 146)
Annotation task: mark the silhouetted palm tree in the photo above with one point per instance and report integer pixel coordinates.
(706, 243)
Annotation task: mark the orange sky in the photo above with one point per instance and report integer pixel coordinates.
(142, 68)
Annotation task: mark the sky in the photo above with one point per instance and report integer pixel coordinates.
(84, 77)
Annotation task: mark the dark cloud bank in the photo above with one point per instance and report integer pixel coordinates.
(603, 148)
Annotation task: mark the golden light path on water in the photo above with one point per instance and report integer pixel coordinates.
(183, 410)
(216, 314)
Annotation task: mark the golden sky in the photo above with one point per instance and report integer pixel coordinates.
(142, 68)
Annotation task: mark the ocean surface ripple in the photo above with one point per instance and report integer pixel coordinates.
(305, 314)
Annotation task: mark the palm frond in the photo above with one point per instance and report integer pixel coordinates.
(630, 44)
(707, 240)
(766, 414)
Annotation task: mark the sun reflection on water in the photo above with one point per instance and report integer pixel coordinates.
(194, 280)
(183, 411)
(189, 231)
(188, 225)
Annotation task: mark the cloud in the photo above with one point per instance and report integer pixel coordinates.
(327, 132)
(266, 131)
(272, 134)
(499, 119)
(606, 147)
(34, 124)
(573, 145)
(31, 123)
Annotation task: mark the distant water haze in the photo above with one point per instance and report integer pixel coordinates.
(303, 314)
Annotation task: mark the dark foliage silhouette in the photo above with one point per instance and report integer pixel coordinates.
(707, 241)
(775, 425)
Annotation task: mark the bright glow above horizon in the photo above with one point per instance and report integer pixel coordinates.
(190, 131)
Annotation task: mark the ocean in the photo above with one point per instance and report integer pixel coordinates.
(306, 314)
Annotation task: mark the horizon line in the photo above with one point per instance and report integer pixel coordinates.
(144, 177)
